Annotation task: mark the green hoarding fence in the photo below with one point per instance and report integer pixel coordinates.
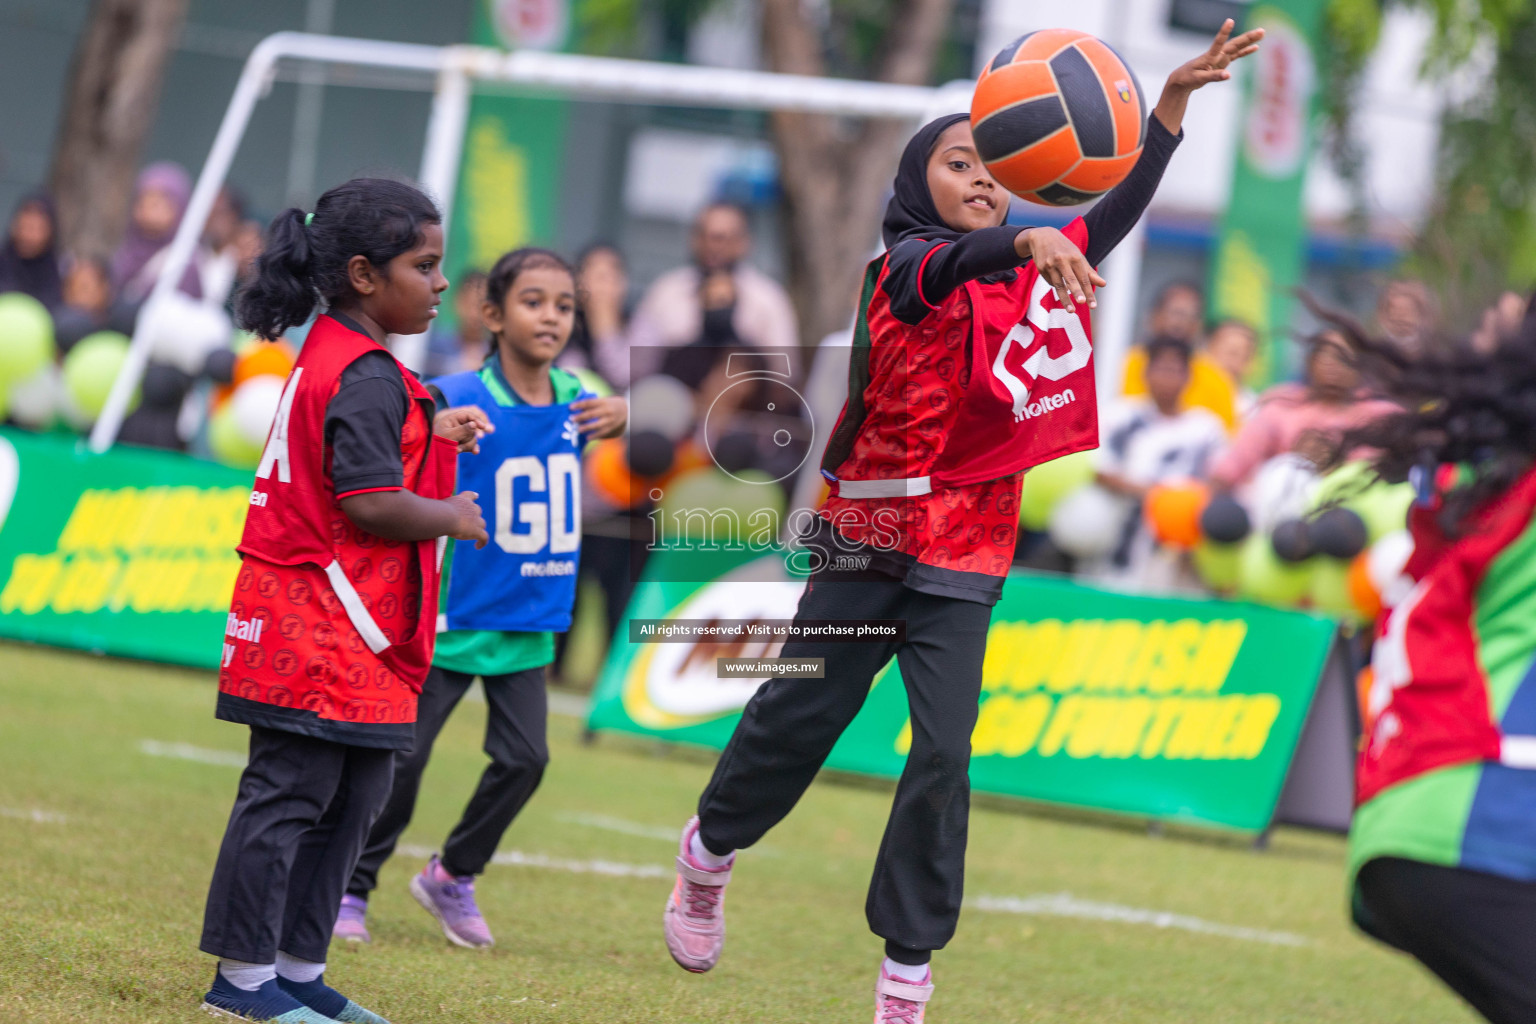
(1181, 710)
(131, 552)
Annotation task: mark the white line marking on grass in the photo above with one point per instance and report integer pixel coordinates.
(187, 752)
(1064, 904)
(34, 815)
(619, 825)
(517, 858)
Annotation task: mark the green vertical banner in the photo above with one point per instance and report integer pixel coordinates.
(1261, 251)
(514, 147)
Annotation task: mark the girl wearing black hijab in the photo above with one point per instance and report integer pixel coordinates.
(29, 259)
(925, 467)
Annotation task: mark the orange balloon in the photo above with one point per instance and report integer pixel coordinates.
(273, 359)
(607, 469)
(1362, 592)
(608, 473)
(1363, 683)
(1172, 512)
(690, 456)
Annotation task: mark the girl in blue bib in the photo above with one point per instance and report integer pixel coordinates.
(501, 604)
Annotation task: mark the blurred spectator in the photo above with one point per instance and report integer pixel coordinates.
(1178, 312)
(231, 243)
(1500, 321)
(1149, 441)
(89, 304)
(160, 199)
(465, 345)
(1407, 314)
(1305, 418)
(719, 301)
(600, 340)
(29, 260)
(1232, 347)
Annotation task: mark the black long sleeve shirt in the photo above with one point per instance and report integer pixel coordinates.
(979, 254)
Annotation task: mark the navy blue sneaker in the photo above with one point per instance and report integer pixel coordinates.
(268, 1003)
(321, 998)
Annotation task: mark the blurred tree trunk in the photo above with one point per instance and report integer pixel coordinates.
(114, 89)
(835, 171)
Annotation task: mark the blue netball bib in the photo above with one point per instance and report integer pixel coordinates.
(528, 476)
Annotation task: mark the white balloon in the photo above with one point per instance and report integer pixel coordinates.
(663, 404)
(73, 416)
(182, 331)
(1384, 566)
(1282, 489)
(253, 405)
(35, 401)
(1089, 522)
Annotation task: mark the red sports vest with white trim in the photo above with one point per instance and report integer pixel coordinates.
(1431, 704)
(1026, 395)
(295, 521)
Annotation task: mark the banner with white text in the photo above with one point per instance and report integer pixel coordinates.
(1176, 709)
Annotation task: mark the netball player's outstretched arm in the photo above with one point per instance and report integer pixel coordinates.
(1112, 219)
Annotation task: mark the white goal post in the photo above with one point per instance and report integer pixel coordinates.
(607, 78)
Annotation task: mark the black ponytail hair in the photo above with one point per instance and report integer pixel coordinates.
(1458, 406)
(499, 281)
(304, 264)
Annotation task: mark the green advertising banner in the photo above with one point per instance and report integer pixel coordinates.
(131, 552)
(1261, 249)
(514, 147)
(1170, 708)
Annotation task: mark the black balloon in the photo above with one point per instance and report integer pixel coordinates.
(650, 453)
(164, 386)
(1224, 521)
(1292, 541)
(1339, 533)
(736, 451)
(219, 367)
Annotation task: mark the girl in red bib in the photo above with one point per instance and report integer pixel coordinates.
(331, 628)
(972, 362)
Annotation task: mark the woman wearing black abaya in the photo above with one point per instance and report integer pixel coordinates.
(29, 259)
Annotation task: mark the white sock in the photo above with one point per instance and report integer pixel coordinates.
(247, 977)
(294, 969)
(701, 853)
(901, 972)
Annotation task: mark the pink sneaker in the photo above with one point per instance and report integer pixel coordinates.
(451, 899)
(352, 920)
(901, 1002)
(695, 917)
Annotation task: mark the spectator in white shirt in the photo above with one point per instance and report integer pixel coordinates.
(717, 301)
(1150, 440)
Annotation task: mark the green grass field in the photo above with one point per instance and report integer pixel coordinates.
(105, 852)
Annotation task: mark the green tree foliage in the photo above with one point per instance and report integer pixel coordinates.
(1480, 236)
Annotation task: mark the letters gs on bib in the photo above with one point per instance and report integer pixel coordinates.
(1025, 355)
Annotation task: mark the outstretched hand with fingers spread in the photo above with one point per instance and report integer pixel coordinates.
(1062, 264)
(1211, 66)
